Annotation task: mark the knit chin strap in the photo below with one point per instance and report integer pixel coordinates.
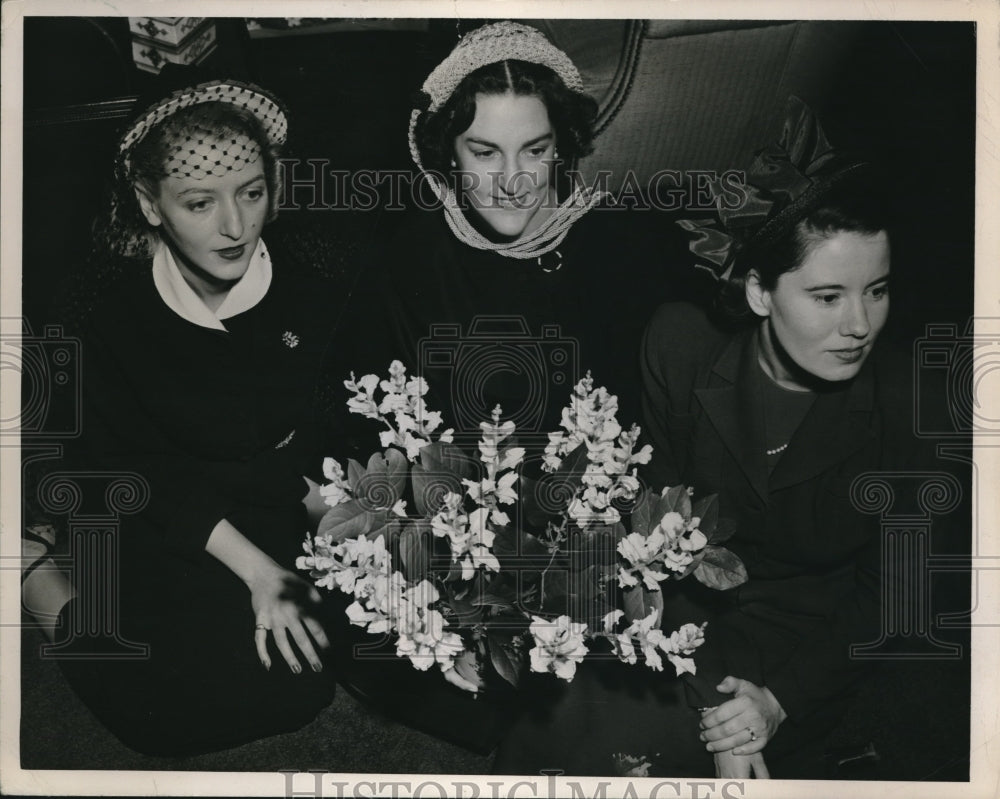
(501, 41)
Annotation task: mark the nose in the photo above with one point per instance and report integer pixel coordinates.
(231, 221)
(855, 323)
(512, 176)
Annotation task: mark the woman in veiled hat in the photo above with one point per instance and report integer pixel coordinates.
(198, 368)
(776, 401)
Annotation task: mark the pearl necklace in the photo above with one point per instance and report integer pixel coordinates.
(776, 450)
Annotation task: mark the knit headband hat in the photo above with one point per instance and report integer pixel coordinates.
(491, 44)
(178, 87)
(786, 181)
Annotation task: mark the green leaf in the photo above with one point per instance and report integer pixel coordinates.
(642, 513)
(506, 657)
(724, 530)
(355, 471)
(383, 483)
(720, 569)
(677, 500)
(429, 488)
(442, 458)
(639, 602)
(573, 467)
(413, 552)
(707, 509)
(349, 520)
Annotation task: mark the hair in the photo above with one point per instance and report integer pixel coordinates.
(855, 204)
(571, 113)
(124, 231)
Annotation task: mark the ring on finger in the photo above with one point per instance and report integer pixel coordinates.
(753, 735)
(262, 627)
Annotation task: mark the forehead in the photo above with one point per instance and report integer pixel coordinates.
(197, 152)
(508, 117)
(233, 178)
(844, 258)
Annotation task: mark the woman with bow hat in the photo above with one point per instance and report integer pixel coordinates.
(198, 369)
(777, 402)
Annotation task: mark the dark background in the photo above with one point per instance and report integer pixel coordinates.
(906, 92)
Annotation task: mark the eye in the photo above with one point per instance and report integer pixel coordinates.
(198, 206)
(826, 299)
(537, 151)
(880, 292)
(482, 155)
(254, 194)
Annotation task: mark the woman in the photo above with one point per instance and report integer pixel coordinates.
(520, 279)
(198, 368)
(514, 286)
(777, 409)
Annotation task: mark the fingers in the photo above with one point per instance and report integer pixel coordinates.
(724, 713)
(729, 685)
(281, 641)
(317, 632)
(760, 768)
(305, 645)
(260, 641)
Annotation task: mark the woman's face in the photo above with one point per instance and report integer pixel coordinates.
(822, 319)
(211, 222)
(506, 160)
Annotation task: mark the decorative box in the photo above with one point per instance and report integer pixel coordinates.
(151, 54)
(164, 30)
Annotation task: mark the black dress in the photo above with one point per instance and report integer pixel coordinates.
(212, 424)
(813, 559)
(486, 329)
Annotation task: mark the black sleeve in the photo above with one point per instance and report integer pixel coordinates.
(185, 502)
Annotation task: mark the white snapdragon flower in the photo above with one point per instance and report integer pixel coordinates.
(559, 646)
(338, 490)
(642, 554)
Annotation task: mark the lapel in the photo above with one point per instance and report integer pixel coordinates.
(837, 425)
(732, 403)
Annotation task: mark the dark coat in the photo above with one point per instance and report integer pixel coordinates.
(814, 559)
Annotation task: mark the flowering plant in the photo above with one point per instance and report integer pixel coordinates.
(501, 566)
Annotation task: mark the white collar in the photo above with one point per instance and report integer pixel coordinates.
(178, 295)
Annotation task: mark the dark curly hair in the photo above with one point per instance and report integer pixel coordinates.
(856, 204)
(123, 230)
(571, 113)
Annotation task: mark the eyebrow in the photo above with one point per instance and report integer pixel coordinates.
(485, 143)
(195, 189)
(839, 286)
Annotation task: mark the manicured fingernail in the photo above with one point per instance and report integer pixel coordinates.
(317, 666)
(702, 737)
(267, 664)
(296, 668)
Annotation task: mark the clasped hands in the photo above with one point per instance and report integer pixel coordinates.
(738, 730)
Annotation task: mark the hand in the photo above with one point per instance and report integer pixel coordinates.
(740, 767)
(745, 723)
(280, 602)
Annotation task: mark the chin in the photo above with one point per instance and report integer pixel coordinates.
(506, 224)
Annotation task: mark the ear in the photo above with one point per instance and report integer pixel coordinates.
(147, 205)
(758, 297)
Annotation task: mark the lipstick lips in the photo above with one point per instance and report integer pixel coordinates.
(850, 355)
(232, 253)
